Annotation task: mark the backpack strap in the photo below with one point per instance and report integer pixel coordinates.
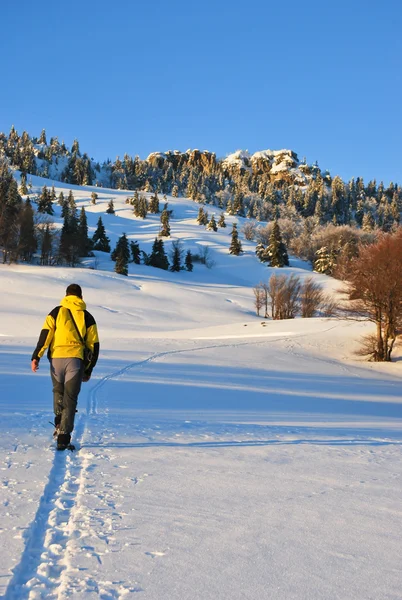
(76, 328)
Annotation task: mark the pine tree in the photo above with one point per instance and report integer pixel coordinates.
(46, 246)
(42, 139)
(69, 247)
(229, 207)
(110, 209)
(61, 199)
(154, 204)
(175, 191)
(261, 252)
(27, 241)
(135, 252)
(122, 255)
(83, 240)
(100, 241)
(235, 247)
(94, 197)
(221, 222)
(45, 202)
(368, 223)
(202, 218)
(75, 148)
(238, 203)
(158, 256)
(23, 184)
(165, 217)
(10, 207)
(177, 254)
(212, 226)
(325, 260)
(136, 204)
(276, 249)
(71, 200)
(338, 200)
(143, 207)
(65, 209)
(189, 261)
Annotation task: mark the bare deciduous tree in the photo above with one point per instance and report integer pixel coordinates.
(259, 298)
(287, 296)
(249, 230)
(311, 298)
(374, 291)
(284, 294)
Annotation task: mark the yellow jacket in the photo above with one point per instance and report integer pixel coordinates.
(60, 335)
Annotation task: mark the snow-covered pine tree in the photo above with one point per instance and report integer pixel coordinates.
(42, 139)
(262, 252)
(165, 218)
(276, 249)
(143, 207)
(154, 204)
(221, 222)
(212, 226)
(136, 204)
(94, 197)
(235, 247)
(238, 208)
(100, 241)
(229, 207)
(325, 260)
(75, 148)
(368, 223)
(202, 217)
(23, 184)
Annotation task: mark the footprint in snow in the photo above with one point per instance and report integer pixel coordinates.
(155, 554)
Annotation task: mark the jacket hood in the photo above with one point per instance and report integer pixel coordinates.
(73, 303)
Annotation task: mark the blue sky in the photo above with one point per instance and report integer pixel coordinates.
(321, 78)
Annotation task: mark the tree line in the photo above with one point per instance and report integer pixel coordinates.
(252, 191)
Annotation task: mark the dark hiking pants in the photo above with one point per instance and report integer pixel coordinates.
(66, 378)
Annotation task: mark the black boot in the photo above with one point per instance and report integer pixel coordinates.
(63, 441)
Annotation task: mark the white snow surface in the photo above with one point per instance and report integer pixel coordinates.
(220, 456)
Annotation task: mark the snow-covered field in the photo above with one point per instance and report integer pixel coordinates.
(220, 456)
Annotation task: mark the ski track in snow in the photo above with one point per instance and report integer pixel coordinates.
(46, 569)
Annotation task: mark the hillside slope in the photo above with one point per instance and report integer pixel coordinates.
(220, 455)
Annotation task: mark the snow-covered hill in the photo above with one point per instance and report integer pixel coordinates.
(220, 455)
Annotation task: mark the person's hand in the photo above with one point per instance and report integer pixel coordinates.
(34, 365)
(86, 377)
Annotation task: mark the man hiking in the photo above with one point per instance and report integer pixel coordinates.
(71, 335)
